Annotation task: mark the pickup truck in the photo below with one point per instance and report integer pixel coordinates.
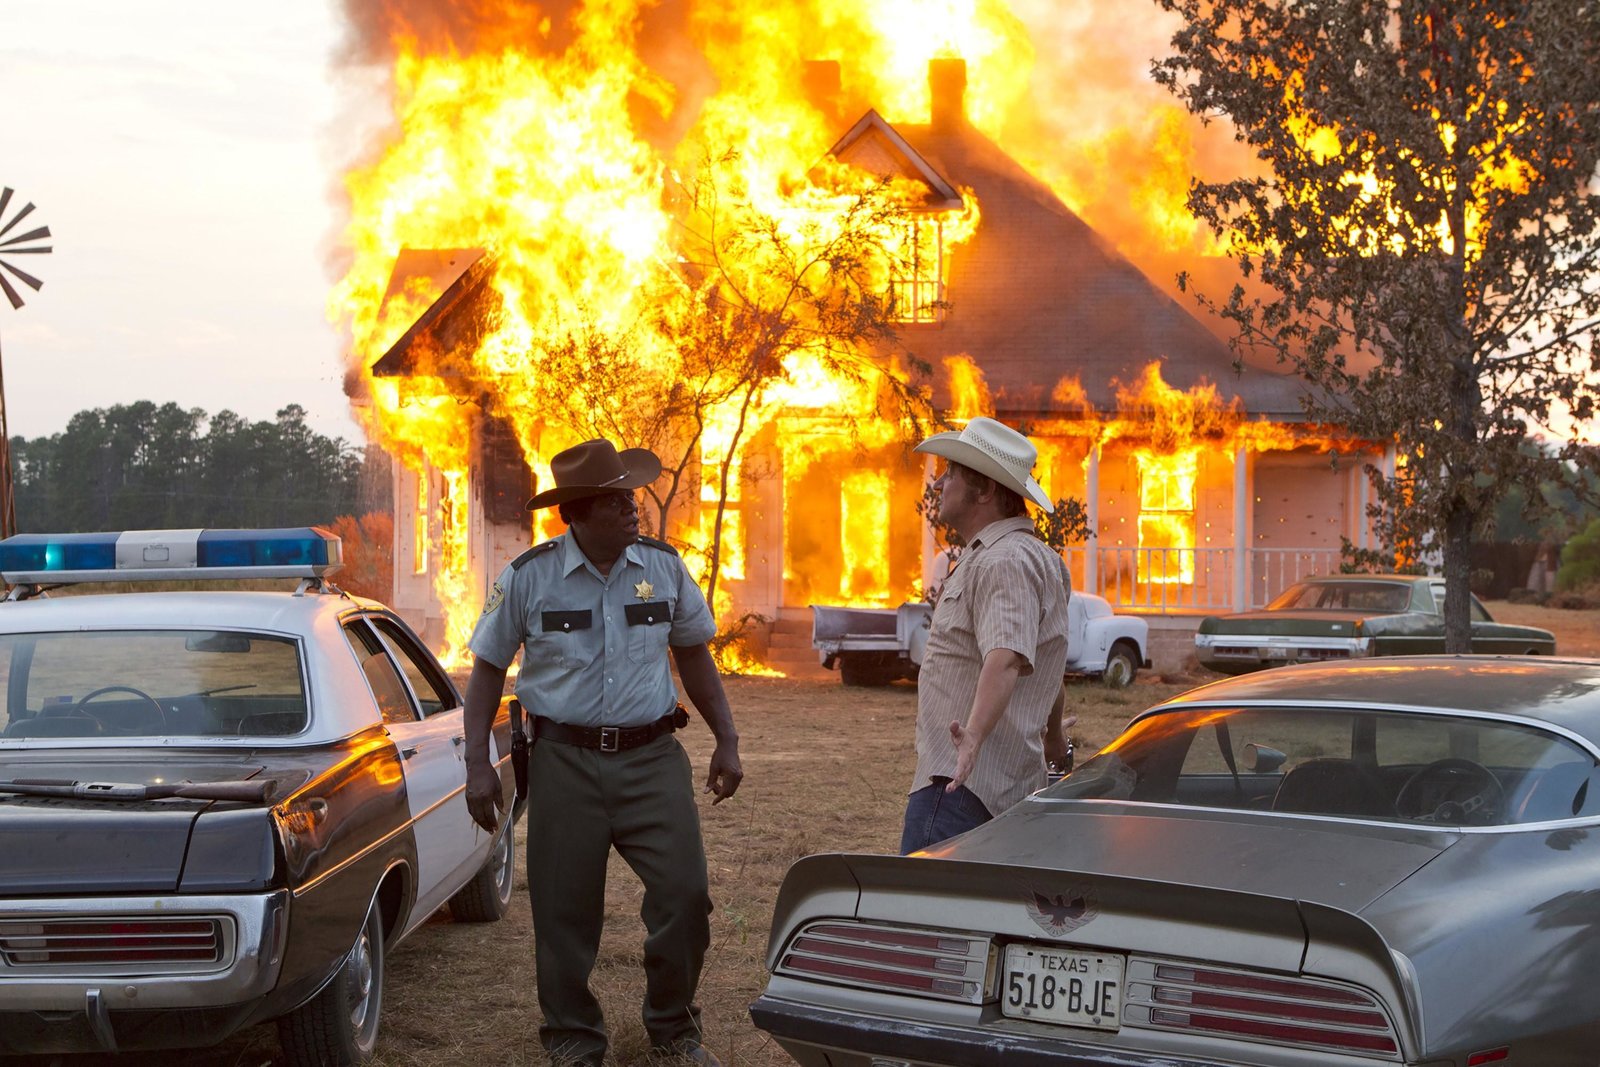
(876, 646)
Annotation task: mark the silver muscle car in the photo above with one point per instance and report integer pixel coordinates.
(1346, 616)
(1376, 862)
(220, 808)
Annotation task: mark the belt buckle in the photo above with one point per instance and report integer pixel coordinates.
(610, 736)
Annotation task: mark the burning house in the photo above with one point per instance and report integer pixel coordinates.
(1203, 488)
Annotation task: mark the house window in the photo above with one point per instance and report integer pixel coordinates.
(453, 549)
(1166, 518)
(916, 275)
(419, 525)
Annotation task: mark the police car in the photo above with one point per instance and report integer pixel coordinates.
(220, 808)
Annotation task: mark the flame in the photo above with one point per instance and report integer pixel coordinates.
(563, 149)
(969, 393)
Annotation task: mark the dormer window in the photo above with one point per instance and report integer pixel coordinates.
(916, 277)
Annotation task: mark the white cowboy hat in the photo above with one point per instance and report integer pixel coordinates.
(994, 449)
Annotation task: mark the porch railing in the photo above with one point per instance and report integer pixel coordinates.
(1195, 579)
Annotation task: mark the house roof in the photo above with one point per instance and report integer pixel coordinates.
(442, 280)
(1036, 295)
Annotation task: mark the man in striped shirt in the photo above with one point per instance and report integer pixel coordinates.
(992, 671)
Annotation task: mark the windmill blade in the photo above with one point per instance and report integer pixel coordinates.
(24, 213)
(5, 198)
(31, 235)
(11, 292)
(27, 279)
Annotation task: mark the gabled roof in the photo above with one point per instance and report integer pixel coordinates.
(877, 148)
(1036, 295)
(446, 279)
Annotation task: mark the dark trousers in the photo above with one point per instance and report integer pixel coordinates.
(583, 803)
(932, 815)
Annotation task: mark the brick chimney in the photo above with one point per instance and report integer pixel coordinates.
(947, 92)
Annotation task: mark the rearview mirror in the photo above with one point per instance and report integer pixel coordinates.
(216, 642)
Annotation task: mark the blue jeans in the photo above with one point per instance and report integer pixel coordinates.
(932, 815)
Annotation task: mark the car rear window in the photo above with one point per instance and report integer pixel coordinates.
(151, 683)
(1384, 766)
(1345, 596)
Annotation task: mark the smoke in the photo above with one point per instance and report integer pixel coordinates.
(1064, 86)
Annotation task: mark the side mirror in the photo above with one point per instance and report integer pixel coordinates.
(1264, 760)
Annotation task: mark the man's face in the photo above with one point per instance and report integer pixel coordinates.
(956, 498)
(611, 526)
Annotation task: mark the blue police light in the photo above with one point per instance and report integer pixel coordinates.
(169, 555)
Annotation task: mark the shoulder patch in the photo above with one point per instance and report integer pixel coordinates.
(534, 551)
(653, 543)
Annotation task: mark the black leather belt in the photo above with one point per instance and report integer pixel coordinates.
(609, 738)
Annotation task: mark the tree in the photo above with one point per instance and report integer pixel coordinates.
(1425, 230)
(751, 292)
(143, 466)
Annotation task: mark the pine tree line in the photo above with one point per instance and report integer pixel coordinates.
(142, 466)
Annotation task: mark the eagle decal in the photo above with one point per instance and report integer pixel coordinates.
(1058, 914)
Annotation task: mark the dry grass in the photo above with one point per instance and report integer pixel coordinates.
(1577, 632)
(826, 770)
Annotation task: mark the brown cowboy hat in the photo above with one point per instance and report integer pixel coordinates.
(596, 467)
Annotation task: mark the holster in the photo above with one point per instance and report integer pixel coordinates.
(520, 747)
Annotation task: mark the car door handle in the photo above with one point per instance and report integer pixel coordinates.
(458, 740)
(408, 751)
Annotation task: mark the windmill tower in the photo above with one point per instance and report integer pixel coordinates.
(12, 245)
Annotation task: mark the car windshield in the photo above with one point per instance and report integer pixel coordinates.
(1358, 764)
(1344, 596)
(150, 683)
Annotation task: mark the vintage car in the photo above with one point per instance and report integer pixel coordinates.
(220, 808)
(1348, 615)
(1339, 865)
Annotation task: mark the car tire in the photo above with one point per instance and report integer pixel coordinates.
(339, 1026)
(487, 897)
(1122, 666)
(868, 668)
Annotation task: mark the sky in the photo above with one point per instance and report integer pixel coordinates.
(185, 155)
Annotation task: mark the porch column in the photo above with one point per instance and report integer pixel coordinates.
(1241, 529)
(1363, 530)
(929, 547)
(1091, 543)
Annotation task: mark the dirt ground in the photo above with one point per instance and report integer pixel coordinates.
(826, 770)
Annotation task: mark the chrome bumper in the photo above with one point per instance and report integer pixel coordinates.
(253, 930)
(814, 1035)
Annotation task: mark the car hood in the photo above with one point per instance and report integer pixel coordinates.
(1288, 623)
(65, 845)
(1338, 863)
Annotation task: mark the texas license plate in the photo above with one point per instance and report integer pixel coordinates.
(1064, 986)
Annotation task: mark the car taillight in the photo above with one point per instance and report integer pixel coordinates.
(86, 943)
(930, 963)
(1289, 1011)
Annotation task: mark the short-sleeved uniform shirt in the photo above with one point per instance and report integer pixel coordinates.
(594, 647)
(1008, 590)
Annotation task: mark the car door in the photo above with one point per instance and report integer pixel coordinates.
(423, 717)
(1493, 638)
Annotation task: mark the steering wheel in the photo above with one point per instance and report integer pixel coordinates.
(82, 706)
(1451, 791)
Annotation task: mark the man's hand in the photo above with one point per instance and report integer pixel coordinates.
(1055, 741)
(485, 798)
(726, 772)
(967, 743)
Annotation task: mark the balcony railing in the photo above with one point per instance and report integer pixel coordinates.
(1182, 580)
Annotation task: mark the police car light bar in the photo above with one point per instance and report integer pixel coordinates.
(169, 555)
